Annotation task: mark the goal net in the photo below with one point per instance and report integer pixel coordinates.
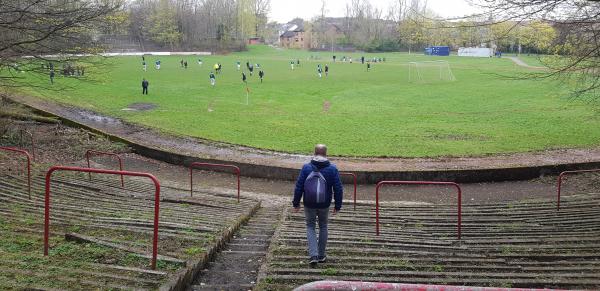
(429, 72)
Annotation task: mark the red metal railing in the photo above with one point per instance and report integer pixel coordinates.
(560, 178)
(26, 154)
(32, 142)
(98, 153)
(354, 179)
(111, 172)
(418, 183)
(374, 286)
(235, 169)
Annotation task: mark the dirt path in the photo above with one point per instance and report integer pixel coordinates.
(185, 147)
(521, 63)
(236, 267)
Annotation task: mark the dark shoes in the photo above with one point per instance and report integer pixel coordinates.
(314, 260)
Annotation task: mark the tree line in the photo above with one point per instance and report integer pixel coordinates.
(30, 30)
(412, 25)
(189, 24)
(219, 25)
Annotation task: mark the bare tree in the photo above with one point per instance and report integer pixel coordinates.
(323, 9)
(32, 29)
(260, 9)
(576, 51)
(319, 28)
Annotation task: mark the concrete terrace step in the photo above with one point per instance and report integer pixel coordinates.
(224, 266)
(520, 244)
(285, 280)
(236, 266)
(223, 287)
(121, 218)
(248, 246)
(226, 252)
(226, 276)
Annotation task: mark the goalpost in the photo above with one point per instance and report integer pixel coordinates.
(430, 71)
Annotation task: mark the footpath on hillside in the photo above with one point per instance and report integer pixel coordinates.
(521, 63)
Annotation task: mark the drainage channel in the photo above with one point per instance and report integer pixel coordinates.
(236, 267)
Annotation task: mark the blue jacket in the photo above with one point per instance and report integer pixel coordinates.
(334, 184)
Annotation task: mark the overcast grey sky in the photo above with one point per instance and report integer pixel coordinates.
(286, 10)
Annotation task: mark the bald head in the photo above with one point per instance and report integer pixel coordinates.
(321, 150)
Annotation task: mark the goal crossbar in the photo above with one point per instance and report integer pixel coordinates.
(444, 72)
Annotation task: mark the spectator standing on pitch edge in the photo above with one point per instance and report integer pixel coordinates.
(145, 84)
(318, 183)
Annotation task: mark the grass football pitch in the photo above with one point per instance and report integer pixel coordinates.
(354, 112)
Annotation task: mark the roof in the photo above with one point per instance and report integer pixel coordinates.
(337, 27)
(298, 27)
(295, 25)
(297, 21)
(288, 34)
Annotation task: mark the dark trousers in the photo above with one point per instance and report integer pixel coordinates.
(145, 90)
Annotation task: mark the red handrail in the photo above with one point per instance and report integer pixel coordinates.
(560, 182)
(354, 178)
(26, 154)
(418, 183)
(111, 172)
(99, 153)
(32, 142)
(236, 171)
(374, 286)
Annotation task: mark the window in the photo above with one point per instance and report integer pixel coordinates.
(301, 39)
(296, 39)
